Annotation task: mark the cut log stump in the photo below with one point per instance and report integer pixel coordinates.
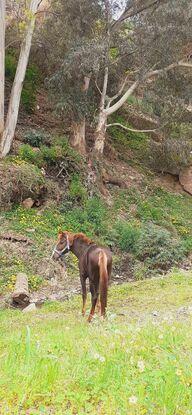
(21, 295)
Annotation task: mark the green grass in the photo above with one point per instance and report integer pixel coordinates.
(53, 362)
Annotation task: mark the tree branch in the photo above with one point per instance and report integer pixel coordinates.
(12, 43)
(104, 91)
(131, 11)
(117, 124)
(168, 68)
(97, 86)
(123, 99)
(118, 93)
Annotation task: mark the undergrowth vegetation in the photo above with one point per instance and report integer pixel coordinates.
(124, 141)
(32, 79)
(158, 235)
(19, 180)
(55, 155)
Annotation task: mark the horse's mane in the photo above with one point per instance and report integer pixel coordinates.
(83, 237)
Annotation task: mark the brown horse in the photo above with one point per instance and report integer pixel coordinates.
(95, 263)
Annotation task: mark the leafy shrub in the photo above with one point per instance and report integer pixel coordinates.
(96, 215)
(90, 218)
(28, 154)
(169, 156)
(60, 155)
(126, 235)
(157, 247)
(36, 138)
(77, 192)
(19, 180)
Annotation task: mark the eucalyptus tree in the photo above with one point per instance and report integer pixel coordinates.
(7, 128)
(110, 56)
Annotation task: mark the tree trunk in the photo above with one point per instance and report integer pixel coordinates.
(78, 138)
(20, 295)
(2, 63)
(13, 110)
(100, 133)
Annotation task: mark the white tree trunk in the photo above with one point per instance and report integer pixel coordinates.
(100, 133)
(13, 109)
(2, 63)
(102, 119)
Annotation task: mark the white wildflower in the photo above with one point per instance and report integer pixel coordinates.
(97, 356)
(133, 400)
(141, 365)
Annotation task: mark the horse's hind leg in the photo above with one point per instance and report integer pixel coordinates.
(98, 305)
(84, 295)
(94, 297)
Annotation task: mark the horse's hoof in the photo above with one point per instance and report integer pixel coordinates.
(89, 319)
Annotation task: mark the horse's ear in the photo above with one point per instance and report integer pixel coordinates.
(60, 233)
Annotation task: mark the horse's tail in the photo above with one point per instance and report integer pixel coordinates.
(103, 281)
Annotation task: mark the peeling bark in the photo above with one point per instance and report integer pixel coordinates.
(78, 138)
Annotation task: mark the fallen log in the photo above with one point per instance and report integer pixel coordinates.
(21, 295)
(15, 238)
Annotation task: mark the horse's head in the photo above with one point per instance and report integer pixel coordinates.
(65, 240)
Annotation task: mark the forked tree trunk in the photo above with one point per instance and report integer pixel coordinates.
(78, 138)
(105, 112)
(2, 63)
(13, 109)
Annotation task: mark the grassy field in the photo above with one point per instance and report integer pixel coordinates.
(138, 361)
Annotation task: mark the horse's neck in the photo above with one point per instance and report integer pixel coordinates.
(79, 248)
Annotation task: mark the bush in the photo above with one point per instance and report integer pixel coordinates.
(97, 215)
(90, 218)
(26, 153)
(170, 156)
(18, 181)
(77, 192)
(158, 248)
(36, 138)
(126, 235)
(54, 157)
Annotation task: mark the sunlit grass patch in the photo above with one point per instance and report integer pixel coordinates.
(54, 362)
